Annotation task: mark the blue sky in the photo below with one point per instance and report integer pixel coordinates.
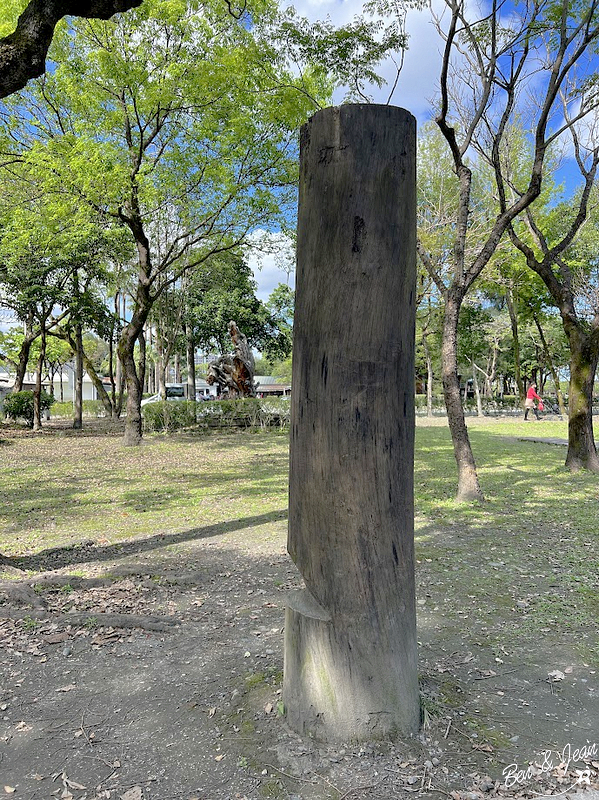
(416, 89)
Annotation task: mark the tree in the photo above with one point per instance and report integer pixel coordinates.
(566, 262)
(226, 291)
(166, 123)
(473, 345)
(52, 274)
(34, 284)
(23, 52)
(488, 66)
(281, 303)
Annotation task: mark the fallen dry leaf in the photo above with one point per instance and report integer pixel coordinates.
(132, 794)
(486, 748)
(219, 758)
(212, 712)
(556, 675)
(73, 784)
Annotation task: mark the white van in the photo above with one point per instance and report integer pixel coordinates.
(174, 391)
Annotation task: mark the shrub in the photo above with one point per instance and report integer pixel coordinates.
(169, 415)
(438, 402)
(62, 409)
(490, 405)
(249, 412)
(20, 405)
(91, 408)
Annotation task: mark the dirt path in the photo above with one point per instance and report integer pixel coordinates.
(193, 712)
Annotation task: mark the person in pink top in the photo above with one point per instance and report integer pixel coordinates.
(531, 396)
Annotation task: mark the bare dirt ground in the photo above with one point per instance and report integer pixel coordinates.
(152, 670)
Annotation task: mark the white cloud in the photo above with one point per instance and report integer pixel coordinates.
(420, 73)
(271, 257)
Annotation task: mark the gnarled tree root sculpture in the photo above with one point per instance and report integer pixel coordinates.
(233, 373)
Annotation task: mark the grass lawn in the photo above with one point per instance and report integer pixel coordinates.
(538, 525)
(532, 545)
(59, 490)
(534, 539)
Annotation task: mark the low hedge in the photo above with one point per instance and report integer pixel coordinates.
(495, 405)
(91, 408)
(247, 412)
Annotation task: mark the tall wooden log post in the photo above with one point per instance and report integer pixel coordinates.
(350, 637)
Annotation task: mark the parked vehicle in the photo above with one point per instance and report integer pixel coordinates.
(174, 391)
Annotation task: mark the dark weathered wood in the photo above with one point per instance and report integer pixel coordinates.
(350, 639)
(233, 373)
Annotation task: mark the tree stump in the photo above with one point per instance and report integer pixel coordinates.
(350, 637)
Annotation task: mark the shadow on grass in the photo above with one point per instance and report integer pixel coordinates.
(514, 476)
(59, 557)
(31, 497)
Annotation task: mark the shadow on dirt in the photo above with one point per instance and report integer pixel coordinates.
(60, 557)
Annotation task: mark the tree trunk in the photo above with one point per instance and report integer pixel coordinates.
(554, 375)
(131, 334)
(78, 405)
(160, 369)
(479, 404)
(28, 339)
(133, 330)
(126, 351)
(491, 375)
(468, 485)
(350, 637)
(119, 375)
(141, 369)
(190, 351)
(582, 453)
(103, 395)
(429, 377)
(37, 392)
(516, 340)
(111, 366)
